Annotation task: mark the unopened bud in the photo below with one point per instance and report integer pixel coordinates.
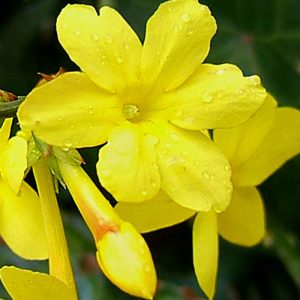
(125, 259)
(7, 96)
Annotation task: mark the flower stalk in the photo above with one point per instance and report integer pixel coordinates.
(59, 261)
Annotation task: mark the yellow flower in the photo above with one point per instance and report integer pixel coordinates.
(255, 149)
(27, 285)
(146, 101)
(21, 223)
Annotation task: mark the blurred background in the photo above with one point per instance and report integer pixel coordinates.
(261, 37)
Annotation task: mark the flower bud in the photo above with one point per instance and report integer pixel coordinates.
(125, 259)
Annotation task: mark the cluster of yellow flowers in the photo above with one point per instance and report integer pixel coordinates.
(183, 138)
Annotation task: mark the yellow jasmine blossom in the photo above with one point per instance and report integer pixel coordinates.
(21, 223)
(148, 102)
(255, 149)
(122, 253)
(27, 285)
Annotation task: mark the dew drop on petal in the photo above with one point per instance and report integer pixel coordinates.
(220, 72)
(185, 18)
(147, 268)
(190, 32)
(119, 60)
(153, 139)
(144, 193)
(226, 168)
(175, 137)
(196, 162)
(126, 46)
(105, 173)
(154, 165)
(254, 79)
(95, 37)
(207, 97)
(206, 175)
(68, 143)
(153, 184)
(77, 32)
(108, 39)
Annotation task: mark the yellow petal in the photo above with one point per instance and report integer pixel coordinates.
(194, 172)
(126, 260)
(21, 223)
(243, 222)
(154, 214)
(14, 162)
(238, 143)
(215, 96)
(177, 41)
(280, 145)
(5, 132)
(205, 251)
(27, 285)
(104, 46)
(70, 111)
(127, 165)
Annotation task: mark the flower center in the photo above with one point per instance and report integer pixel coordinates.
(130, 111)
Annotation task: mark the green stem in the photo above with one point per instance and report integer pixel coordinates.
(59, 260)
(9, 109)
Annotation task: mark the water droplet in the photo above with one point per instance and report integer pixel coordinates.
(175, 137)
(59, 118)
(229, 190)
(207, 97)
(226, 168)
(119, 60)
(189, 120)
(154, 165)
(68, 143)
(90, 109)
(147, 268)
(95, 37)
(72, 126)
(220, 72)
(105, 173)
(144, 193)
(157, 52)
(241, 93)
(126, 46)
(77, 32)
(254, 79)
(205, 174)
(185, 18)
(196, 162)
(108, 39)
(153, 139)
(153, 184)
(190, 32)
(178, 28)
